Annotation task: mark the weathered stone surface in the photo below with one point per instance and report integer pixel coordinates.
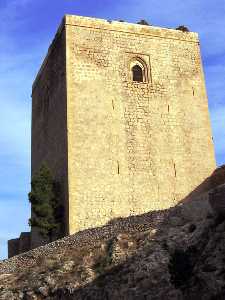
(148, 221)
(117, 146)
(121, 147)
(164, 261)
(20, 245)
(49, 121)
(218, 177)
(173, 263)
(13, 247)
(217, 201)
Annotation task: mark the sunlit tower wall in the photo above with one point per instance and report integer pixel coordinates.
(120, 115)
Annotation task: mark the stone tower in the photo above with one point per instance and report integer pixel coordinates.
(120, 115)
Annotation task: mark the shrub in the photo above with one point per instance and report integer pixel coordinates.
(104, 260)
(143, 22)
(44, 197)
(182, 28)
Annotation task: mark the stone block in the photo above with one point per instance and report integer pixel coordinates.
(13, 247)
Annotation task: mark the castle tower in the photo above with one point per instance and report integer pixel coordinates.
(120, 115)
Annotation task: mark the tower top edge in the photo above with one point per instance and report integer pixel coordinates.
(116, 25)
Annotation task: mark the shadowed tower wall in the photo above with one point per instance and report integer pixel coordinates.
(130, 147)
(49, 121)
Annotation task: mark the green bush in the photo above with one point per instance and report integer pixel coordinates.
(47, 213)
(182, 28)
(143, 22)
(104, 260)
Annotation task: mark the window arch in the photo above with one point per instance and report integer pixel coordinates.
(138, 70)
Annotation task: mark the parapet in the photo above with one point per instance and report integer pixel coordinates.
(147, 30)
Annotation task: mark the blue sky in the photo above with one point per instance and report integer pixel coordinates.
(26, 30)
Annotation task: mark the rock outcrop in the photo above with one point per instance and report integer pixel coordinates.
(160, 255)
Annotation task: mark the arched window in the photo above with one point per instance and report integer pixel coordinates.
(137, 73)
(138, 70)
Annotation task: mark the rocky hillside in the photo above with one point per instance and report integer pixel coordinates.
(172, 254)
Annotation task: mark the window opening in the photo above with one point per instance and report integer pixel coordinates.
(137, 73)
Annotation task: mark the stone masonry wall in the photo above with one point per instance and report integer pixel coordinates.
(20, 245)
(49, 118)
(133, 147)
(13, 247)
